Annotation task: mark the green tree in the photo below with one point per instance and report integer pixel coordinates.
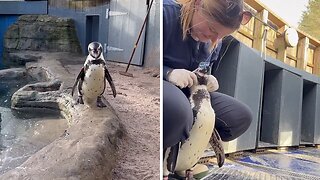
(310, 21)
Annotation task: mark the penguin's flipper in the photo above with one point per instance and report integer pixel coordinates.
(80, 75)
(109, 79)
(172, 157)
(216, 143)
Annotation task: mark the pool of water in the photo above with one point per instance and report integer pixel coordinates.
(7, 88)
(20, 138)
(23, 135)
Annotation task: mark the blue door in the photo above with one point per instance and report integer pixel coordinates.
(5, 22)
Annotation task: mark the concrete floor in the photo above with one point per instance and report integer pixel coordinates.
(303, 163)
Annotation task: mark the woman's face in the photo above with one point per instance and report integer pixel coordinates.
(205, 30)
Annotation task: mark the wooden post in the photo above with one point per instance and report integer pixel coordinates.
(316, 61)
(281, 45)
(258, 41)
(302, 56)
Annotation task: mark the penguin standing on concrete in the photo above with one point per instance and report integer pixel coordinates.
(181, 158)
(91, 79)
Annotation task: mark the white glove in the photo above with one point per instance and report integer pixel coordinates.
(212, 83)
(182, 78)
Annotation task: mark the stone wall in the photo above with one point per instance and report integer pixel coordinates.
(40, 33)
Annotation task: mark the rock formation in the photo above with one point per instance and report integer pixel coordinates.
(39, 33)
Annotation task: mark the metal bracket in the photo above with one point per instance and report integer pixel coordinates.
(110, 48)
(110, 13)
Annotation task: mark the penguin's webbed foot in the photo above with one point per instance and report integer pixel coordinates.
(80, 100)
(100, 103)
(189, 175)
(182, 175)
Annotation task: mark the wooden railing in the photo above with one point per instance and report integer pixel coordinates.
(305, 56)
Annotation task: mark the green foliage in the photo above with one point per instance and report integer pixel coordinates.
(310, 22)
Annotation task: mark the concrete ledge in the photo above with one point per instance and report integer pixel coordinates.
(23, 7)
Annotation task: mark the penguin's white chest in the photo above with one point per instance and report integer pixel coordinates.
(200, 134)
(94, 81)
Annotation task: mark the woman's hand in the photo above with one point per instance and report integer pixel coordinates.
(212, 83)
(182, 78)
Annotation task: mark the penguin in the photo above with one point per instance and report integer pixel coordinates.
(180, 158)
(91, 78)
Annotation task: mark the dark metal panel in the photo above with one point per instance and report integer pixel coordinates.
(310, 122)
(282, 107)
(240, 74)
(317, 116)
(23, 7)
(249, 91)
(291, 108)
(308, 112)
(310, 107)
(274, 92)
(226, 71)
(271, 105)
